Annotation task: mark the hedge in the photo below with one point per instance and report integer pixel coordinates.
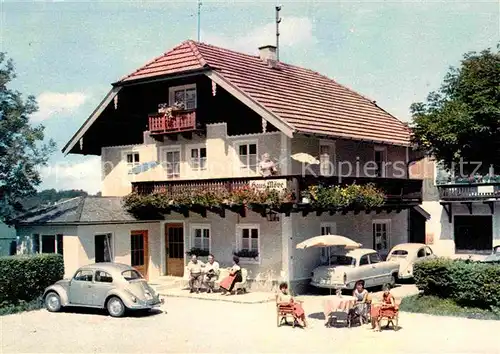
(24, 278)
(466, 282)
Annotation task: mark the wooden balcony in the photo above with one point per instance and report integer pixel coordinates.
(465, 192)
(400, 193)
(181, 121)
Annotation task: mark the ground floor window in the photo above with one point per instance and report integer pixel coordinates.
(200, 235)
(248, 238)
(381, 236)
(47, 243)
(103, 248)
(473, 233)
(327, 228)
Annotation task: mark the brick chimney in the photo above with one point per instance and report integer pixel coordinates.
(267, 53)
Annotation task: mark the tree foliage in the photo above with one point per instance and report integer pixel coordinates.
(462, 119)
(22, 147)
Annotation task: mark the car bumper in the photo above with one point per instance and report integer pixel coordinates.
(405, 275)
(146, 305)
(328, 285)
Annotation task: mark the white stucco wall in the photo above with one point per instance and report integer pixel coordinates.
(222, 158)
(357, 227)
(224, 240)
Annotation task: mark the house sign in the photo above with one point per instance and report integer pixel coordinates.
(275, 184)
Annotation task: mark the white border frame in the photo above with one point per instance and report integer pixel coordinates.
(172, 89)
(113, 241)
(237, 164)
(162, 158)
(388, 222)
(131, 151)
(238, 229)
(193, 226)
(384, 149)
(187, 154)
(163, 255)
(331, 144)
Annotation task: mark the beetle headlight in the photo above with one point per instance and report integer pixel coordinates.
(134, 299)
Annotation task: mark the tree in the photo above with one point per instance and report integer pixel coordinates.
(462, 120)
(22, 147)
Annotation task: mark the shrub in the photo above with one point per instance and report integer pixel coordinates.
(466, 282)
(24, 278)
(198, 252)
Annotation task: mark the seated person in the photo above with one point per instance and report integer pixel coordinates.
(227, 284)
(211, 273)
(195, 274)
(285, 299)
(361, 295)
(388, 306)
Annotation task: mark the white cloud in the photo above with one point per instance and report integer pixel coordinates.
(294, 31)
(52, 103)
(63, 175)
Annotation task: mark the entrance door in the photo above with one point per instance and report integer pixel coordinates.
(473, 233)
(174, 249)
(139, 254)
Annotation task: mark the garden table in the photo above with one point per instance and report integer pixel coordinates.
(337, 303)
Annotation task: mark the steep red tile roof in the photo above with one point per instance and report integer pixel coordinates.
(306, 100)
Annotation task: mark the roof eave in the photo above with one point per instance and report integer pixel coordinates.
(157, 78)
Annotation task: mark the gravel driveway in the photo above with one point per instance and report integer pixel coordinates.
(200, 326)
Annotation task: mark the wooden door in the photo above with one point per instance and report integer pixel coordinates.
(139, 255)
(174, 249)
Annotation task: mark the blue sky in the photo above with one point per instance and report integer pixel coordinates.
(67, 53)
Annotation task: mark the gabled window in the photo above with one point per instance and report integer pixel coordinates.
(247, 154)
(185, 95)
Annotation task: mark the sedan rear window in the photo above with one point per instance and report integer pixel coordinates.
(341, 260)
(131, 274)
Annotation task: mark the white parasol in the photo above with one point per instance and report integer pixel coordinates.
(305, 158)
(328, 241)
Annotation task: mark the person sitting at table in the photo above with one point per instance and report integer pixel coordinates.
(388, 305)
(211, 273)
(285, 299)
(361, 295)
(195, 274)
(227, 284)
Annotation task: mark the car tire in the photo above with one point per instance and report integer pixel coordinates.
(115, 307)
(53, 302)
(392, 282)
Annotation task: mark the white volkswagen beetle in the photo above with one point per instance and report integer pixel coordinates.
(406, 254)
(346, 267)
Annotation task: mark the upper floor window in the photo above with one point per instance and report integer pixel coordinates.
(327, 158)
(247, 153)
(132, 158)
(198, 158)
(170, 157)
(380, 160)
(185, 95)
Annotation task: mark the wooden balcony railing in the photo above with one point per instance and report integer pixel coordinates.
(396, 190)
(476, 191)
(181, 121)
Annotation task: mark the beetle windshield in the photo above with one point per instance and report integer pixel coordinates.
(131, 275)
(341, 260)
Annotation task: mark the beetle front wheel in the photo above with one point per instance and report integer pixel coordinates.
(53, 302)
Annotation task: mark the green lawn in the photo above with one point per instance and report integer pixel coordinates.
(433, 305)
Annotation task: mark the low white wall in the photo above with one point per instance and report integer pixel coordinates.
(357, 227)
